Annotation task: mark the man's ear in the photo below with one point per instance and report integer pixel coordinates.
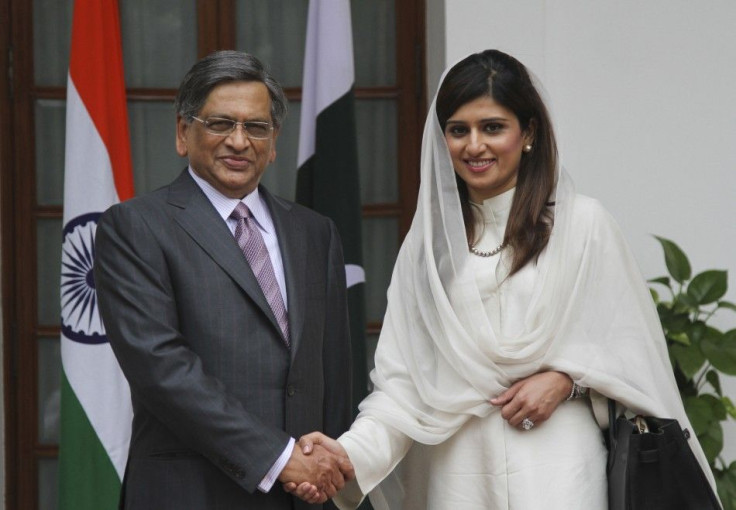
(182, 128)
(272, 155)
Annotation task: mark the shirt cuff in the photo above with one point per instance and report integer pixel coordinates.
(278, 466)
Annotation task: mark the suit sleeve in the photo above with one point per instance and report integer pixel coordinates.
(138, 308)
(337, 354)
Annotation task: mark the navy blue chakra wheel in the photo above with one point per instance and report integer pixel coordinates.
(80, 317)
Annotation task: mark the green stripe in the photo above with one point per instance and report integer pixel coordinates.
(87, 478)
(329, 182)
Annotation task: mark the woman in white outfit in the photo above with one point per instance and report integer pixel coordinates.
(514, 306)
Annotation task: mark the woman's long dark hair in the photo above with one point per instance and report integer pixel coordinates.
(506, 80)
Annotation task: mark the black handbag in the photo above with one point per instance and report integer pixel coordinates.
(651, 466)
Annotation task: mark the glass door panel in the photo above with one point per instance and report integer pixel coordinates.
(159, 41)
(274, 31)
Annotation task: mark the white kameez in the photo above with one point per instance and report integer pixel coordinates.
(488, 464)
(458, 332)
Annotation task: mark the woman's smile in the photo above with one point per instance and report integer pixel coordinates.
(485, 142)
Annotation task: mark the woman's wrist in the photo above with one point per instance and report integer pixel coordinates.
(577, 391)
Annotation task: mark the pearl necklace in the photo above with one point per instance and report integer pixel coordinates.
(491, 253)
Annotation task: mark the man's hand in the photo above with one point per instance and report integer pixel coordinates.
(317, 475)
(317, 444)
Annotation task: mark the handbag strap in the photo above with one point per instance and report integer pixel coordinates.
(611, 437)
(611, 420)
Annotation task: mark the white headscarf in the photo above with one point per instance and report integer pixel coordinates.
(439, 359)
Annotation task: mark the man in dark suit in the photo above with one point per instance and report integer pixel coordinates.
(228, 357)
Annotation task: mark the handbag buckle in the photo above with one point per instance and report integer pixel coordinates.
(641, 424)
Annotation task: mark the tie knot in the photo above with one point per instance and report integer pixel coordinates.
(240, 212)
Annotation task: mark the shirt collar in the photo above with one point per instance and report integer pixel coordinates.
(225, 205)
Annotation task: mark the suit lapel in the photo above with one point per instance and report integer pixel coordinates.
(293, 244)
(200, 220)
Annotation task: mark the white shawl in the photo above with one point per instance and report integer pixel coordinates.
(439, 360)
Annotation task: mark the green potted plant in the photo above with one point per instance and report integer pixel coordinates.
(700, 353)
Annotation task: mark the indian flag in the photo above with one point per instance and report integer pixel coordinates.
(96, 412)
(328, 179)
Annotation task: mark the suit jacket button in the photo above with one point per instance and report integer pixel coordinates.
(290, 390)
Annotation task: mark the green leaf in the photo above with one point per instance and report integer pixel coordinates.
(664, 309)
(727, 304)
(689, 359)
(700, 412)
(703, 412)
(676, 322)
(683, 383)
(696, 331)
(662, 280)
(679, 338)
(730, 408)
(685, 303)
(655, 295)
(712, 441)
(675, 259)
(726, 481)
(720, 349)
(717, 405)
(679, 322)
(715, 381)
(725, 486)
(708, 286)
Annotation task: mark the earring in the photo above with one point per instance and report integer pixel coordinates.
(527, 148)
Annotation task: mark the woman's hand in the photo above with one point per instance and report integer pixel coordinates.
(534, 398)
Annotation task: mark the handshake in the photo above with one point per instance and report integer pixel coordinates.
(317, 470)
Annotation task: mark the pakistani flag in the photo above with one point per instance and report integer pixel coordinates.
(95, 401)
(328, 163)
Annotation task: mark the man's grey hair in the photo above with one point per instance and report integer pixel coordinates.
(225, 66)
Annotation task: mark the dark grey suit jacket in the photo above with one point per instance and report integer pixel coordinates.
(216, 393)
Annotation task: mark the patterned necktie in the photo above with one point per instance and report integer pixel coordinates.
(251, 243)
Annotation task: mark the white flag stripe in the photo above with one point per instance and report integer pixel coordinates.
(88, 179)
(329, 71)
(354, 275)
(92, 370)
(106, 402)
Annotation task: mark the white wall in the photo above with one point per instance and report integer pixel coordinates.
(643, 98)
(435, 20)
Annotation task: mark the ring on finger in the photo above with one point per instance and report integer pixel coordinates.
(527, 424)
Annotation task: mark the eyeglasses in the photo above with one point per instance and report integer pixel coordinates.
(224, 127)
